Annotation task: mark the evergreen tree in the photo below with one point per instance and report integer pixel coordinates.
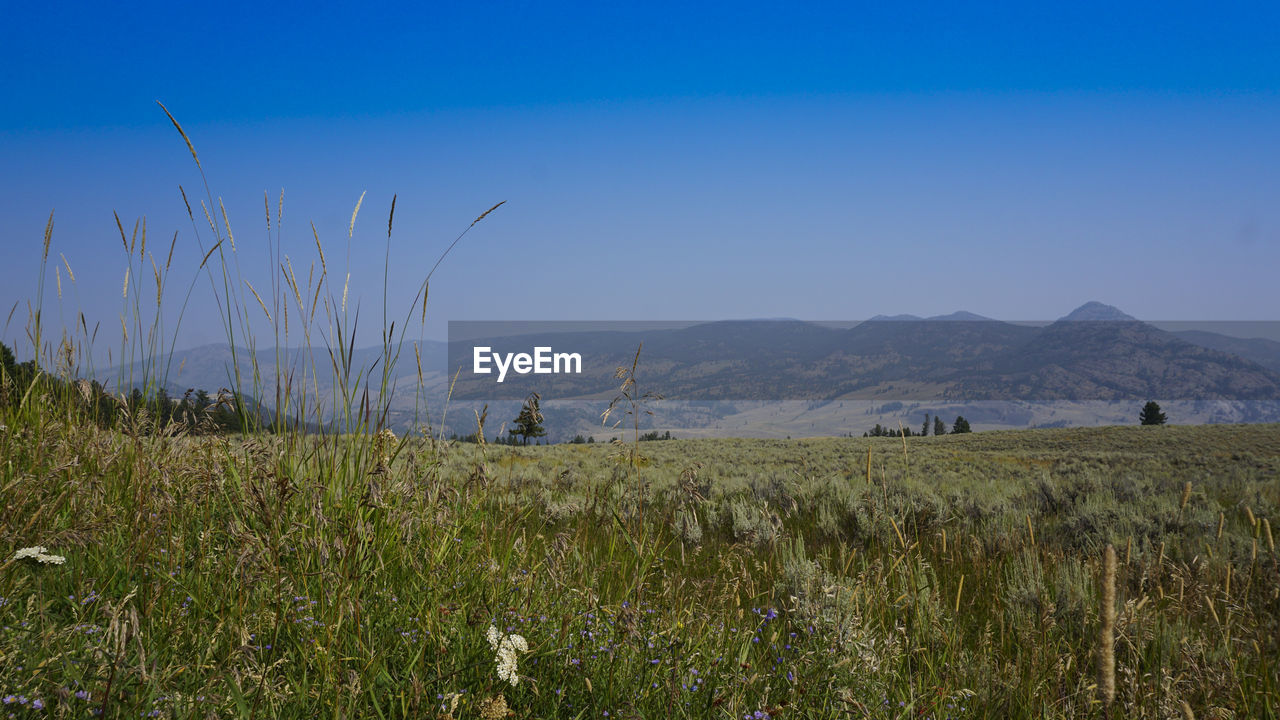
(924, 430)
(529, 423)
(1151, 414)
(960, 425)
(7, 362)
(8, 375)
(163, 408)
(939, 427)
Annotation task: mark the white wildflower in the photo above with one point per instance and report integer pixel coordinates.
(39, 553)
(31, 552)
(507, 649)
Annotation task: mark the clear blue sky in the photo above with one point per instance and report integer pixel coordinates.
(662, 161)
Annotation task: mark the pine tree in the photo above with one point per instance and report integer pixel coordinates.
(960, 425)
(1151, 414)
(924, 431)
(939, 427)
(529, 423)
(7, 362)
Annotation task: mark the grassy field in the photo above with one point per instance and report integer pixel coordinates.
(959, 576)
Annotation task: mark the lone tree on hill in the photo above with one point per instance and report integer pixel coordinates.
(1151, 414)
(529, 422)
(960, 425)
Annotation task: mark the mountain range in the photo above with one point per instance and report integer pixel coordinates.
(1095, 354)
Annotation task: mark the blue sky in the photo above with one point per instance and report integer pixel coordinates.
(660, 161)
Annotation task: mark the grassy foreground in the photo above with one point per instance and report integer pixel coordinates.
(349, 576)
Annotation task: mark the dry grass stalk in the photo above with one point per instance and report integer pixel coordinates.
(120, 226)
(259, 298)
(183, 133)
(901, 539)
(1106, 634)
(48, 237)
(486, 212)
(206, 255)
(1212, 610)
(226, 223)
(905, 460)
(352, 229)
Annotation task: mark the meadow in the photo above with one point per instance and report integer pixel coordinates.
(354, 576)
(163, 569)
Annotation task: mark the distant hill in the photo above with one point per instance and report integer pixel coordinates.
(1094, 311)
(1095, 355)
(1260, 350)
(210, 368)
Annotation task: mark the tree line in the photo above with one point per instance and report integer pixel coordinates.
(196, 412)
(930, 422)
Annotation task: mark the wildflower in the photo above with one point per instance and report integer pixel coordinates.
(39, 553)
(507, 648)
(37, 704)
